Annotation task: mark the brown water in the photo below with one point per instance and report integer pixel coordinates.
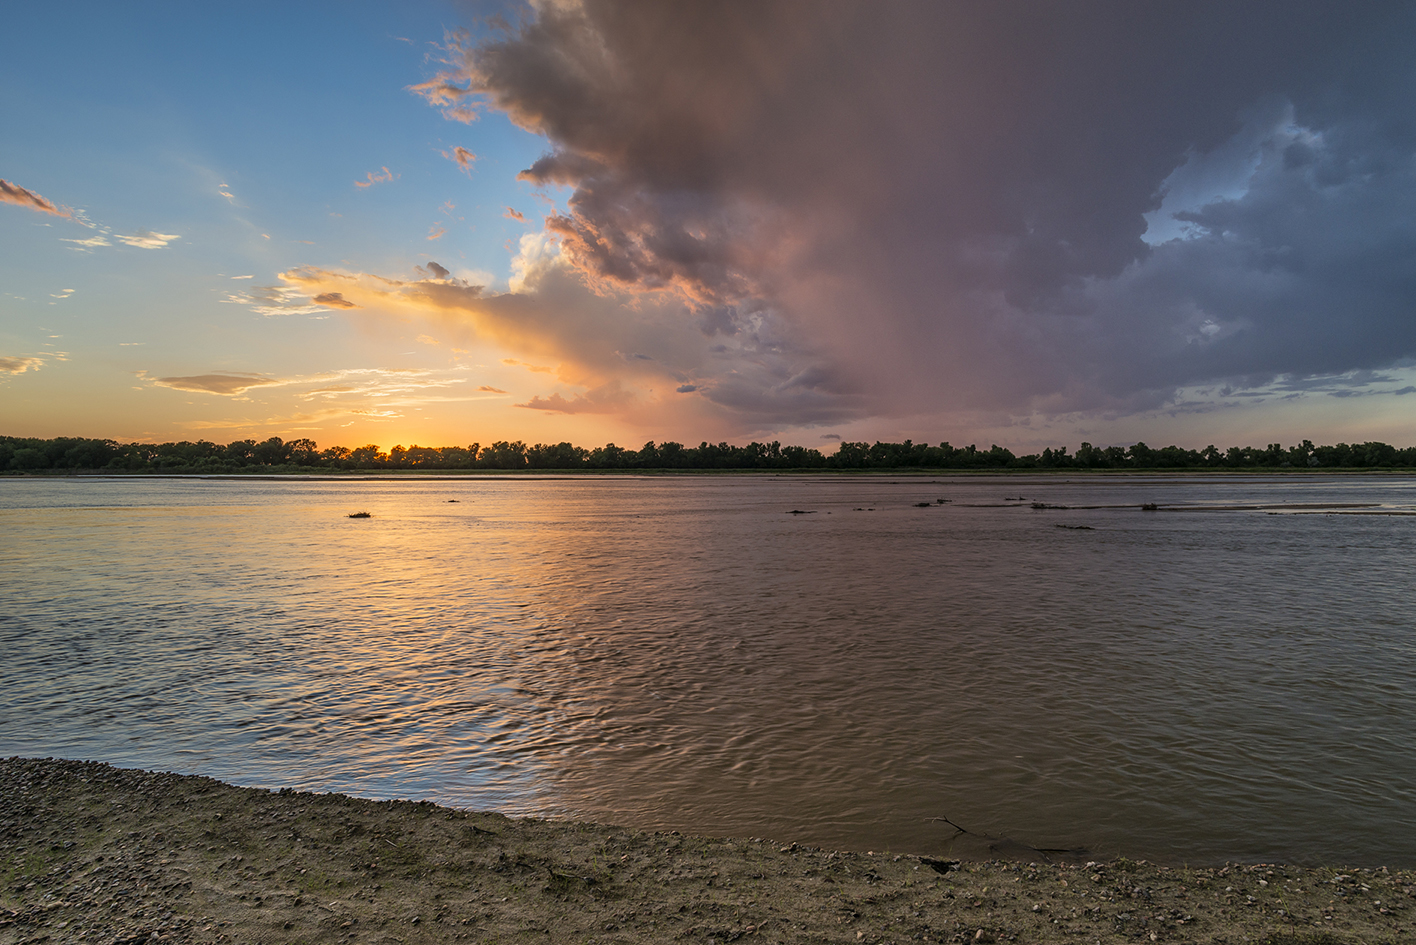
(682, 653)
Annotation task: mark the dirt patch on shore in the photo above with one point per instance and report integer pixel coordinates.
(91, 853)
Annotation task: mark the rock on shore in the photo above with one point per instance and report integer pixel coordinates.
(95, 854)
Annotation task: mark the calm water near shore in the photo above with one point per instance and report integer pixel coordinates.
(683, 653)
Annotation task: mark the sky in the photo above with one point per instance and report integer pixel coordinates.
(1025, 223)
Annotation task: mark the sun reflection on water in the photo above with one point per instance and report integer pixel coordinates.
(684, 654)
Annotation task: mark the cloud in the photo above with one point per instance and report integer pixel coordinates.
(463, 157)
(224, 384)
(278, 300)
(86, 244)
(146, 240)
(1007, 208)
(362, 392)
(373, 178)
(513, 214)
(535, 368)
(444, 92)
(608, 398)
(436, 231)
(21, 364)
(15, 194)
(491, 390)
(597, 342)
(333, 300)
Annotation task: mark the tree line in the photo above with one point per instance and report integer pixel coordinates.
(30, 455)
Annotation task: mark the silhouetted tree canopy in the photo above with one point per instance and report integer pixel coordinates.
(20, 455)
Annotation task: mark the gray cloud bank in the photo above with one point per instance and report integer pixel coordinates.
(998, 207)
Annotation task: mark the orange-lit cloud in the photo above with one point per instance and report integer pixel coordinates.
(334, 300)
(373, 178)
(627, 354)
(491, 390)
(360, 393)
(19, 365)
(287, 420)
(225, 384)
(278, 300)
(15, 194)
(436, 231)
(445, 93)
(464, 158)
(512, 214)
(536, 368)
(608, 398)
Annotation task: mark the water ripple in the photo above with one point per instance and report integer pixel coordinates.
(680, 653)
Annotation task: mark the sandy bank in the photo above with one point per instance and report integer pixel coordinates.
(90, 853)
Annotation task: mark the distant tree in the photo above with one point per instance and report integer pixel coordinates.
(367, 457)
(273, 452)
(558, 456)
(304, 452)
(610, 456)
(29, 458)
(337, 456)
(240, 452)
(504, 455)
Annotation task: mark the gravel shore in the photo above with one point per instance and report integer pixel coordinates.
(97, 854)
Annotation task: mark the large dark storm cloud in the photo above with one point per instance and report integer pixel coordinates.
(947, 202)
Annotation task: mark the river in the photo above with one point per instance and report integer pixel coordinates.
(841, 661)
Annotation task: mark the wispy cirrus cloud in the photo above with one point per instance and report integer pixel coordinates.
(22, 197)
(533, 368)
(290, 420)
(373, 178)
(275, 301)
(361, 388)
(227, 384)
(145, 239)
(20, 364)
(458, 103)
(464, 158)
(85, 245)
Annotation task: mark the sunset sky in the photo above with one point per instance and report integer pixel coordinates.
(1029, 223)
